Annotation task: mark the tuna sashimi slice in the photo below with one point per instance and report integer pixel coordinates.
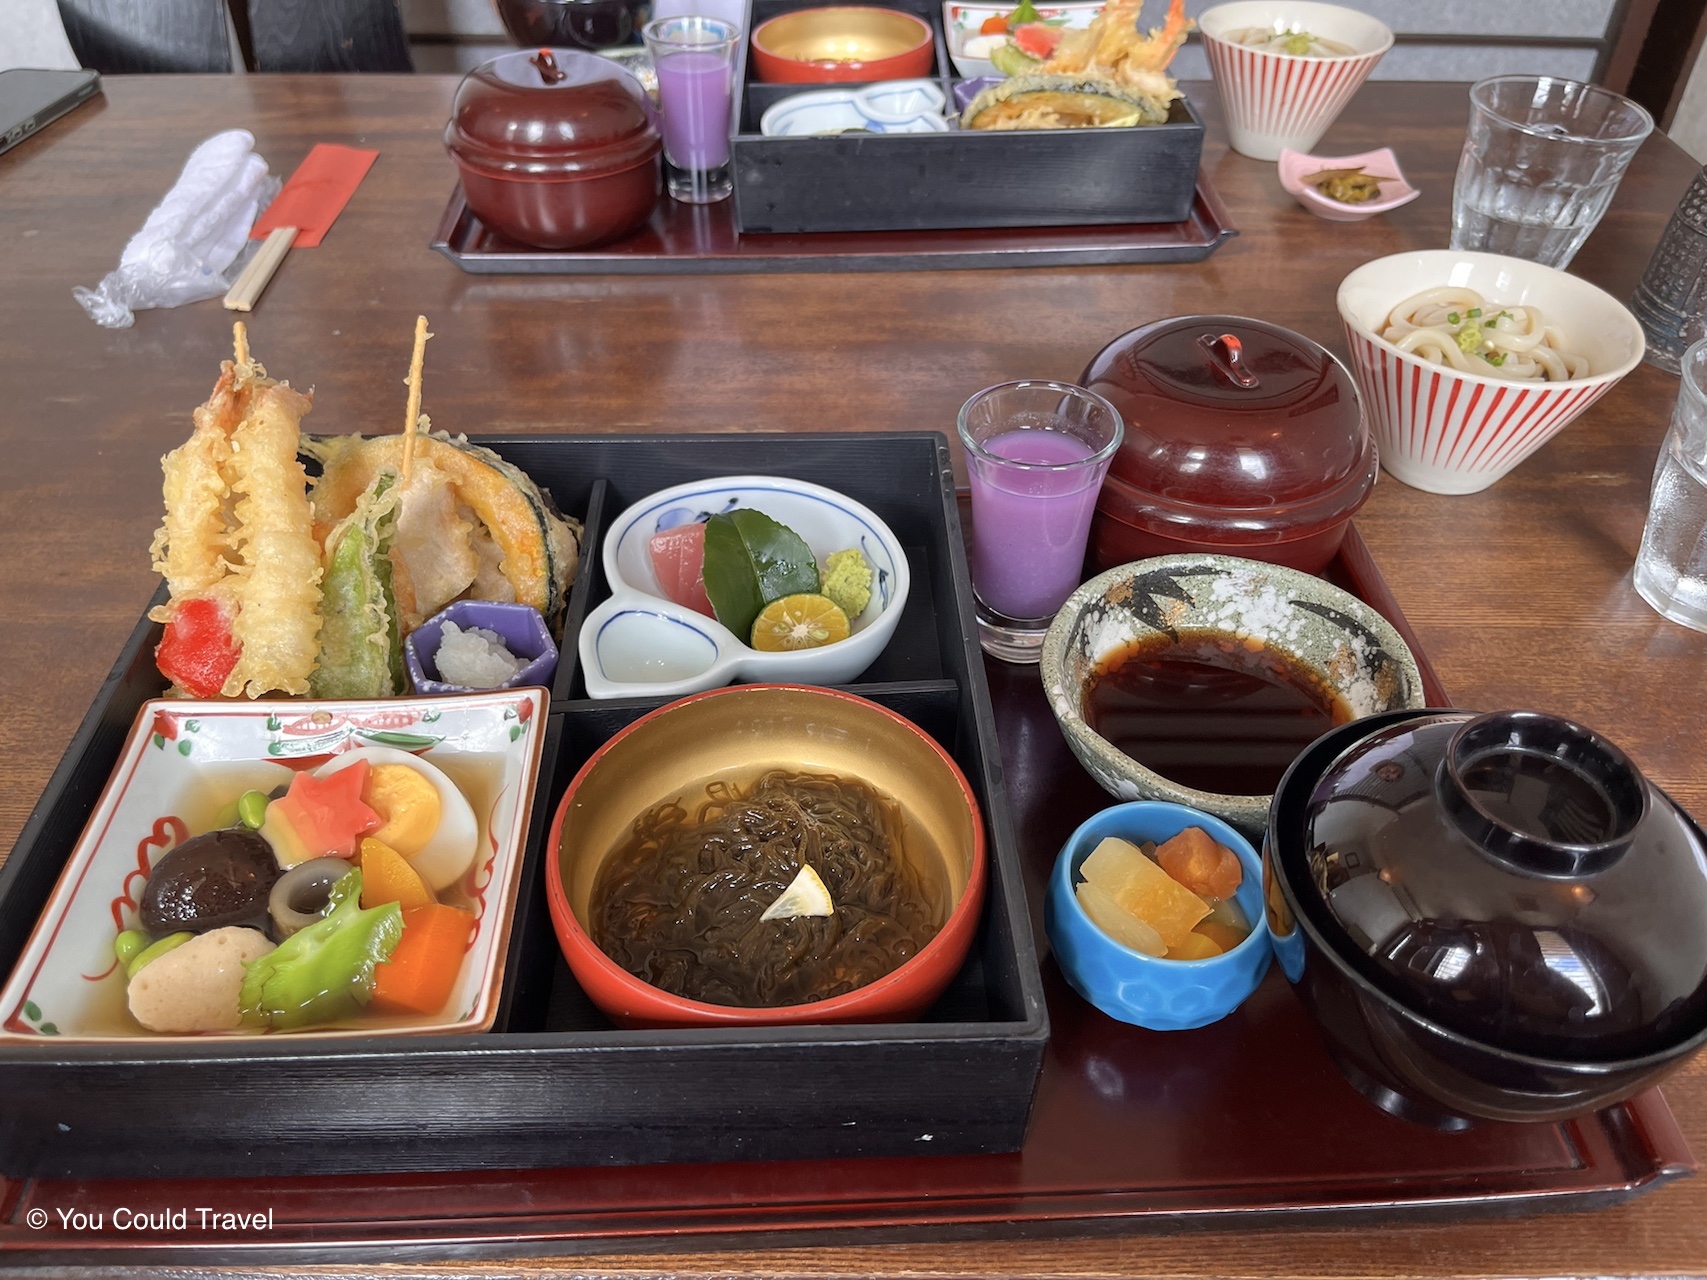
(678, 557)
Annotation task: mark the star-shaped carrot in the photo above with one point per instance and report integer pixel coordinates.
(326, 814)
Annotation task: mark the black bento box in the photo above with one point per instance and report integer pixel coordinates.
(963, 178)
(553, 1083)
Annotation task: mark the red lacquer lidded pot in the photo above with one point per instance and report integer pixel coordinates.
(1242, 438)
(558, 149)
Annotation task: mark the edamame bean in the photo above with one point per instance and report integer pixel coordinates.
(252, 809)
(130, 944)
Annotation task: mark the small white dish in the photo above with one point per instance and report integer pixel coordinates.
(640, 644)
(897, 106)
(184, 760)
(1295, 166)
(962, 22)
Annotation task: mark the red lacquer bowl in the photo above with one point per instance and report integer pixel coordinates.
(737, 733)
(843, 44)
(557, 149)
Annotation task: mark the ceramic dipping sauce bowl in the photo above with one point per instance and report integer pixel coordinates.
(519, 626)
(1153, 991)
(1242, 439)
(640, 644)
(843, 44)
(557, 149)
(737, 735)
(1492, 917)
(1250, 622)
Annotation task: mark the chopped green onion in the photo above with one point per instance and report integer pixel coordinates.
(1474, 312)
(1452, 317)
(1495, 358)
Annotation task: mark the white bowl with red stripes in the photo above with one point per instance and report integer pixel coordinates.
(1450, 432)
(1273, 101)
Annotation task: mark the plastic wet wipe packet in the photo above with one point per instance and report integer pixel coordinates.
(187, 246)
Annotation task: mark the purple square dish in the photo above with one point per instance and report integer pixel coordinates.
(520, 626)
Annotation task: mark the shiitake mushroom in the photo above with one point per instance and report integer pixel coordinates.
(210, 881)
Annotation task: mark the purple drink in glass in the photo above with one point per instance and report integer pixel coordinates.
(694, 93)
(1036, 454)
(694, 57)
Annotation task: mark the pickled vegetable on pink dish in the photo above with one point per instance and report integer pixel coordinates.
(678, 561)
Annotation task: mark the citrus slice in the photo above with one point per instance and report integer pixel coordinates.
(805, 896)
(799, 622)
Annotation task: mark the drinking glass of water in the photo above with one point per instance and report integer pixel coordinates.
(1671, 567)
(1541, 161)
(1036, 454)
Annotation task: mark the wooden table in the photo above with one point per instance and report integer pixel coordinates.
(1521, 595)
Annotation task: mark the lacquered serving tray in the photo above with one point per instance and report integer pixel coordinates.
(1245, 1121)
(697, 239)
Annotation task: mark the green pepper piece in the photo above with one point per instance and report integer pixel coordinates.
(361, 643)
(324, 972)
(751, 560)
(1026, 12)
(148, 955)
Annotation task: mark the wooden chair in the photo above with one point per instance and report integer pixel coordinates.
(325, 35)
(118, 36)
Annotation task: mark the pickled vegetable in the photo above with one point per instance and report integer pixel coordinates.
(1195, 859)
(1143, 889)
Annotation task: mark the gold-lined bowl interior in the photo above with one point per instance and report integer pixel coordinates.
(842, 34)
(738, 736)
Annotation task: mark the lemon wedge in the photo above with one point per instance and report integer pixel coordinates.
(805, 896)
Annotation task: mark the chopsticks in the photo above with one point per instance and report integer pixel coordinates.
(246, 290)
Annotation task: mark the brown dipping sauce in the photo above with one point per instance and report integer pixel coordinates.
(678, 903)
(1228, 723)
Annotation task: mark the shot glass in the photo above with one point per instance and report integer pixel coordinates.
(1036, 453)
(1540, 163)
(1671, 567)
(694, 56)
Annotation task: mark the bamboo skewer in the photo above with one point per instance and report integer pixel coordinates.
(240, 342)
(412, 415)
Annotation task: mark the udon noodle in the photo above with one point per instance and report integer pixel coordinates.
(678, 904)
(1300, 44)
(1458, 327)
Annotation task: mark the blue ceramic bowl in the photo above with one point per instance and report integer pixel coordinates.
(1164, 995)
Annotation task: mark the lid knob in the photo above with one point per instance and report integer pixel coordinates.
(1540, 794)
(1227, 357)
(549, 71)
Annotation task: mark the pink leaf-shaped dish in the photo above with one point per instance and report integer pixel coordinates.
(1382, 165)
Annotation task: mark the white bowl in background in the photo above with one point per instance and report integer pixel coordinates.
(1277, 100)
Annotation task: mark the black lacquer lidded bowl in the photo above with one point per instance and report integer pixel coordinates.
(1492, 916)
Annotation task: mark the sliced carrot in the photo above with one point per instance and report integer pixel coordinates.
(1195, 859)
(423, 968)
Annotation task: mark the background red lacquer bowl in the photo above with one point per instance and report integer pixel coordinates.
(843, 44)
(557, 149)
(738, 733)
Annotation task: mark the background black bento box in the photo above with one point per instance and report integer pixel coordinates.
(963, 178)
(553, 1083)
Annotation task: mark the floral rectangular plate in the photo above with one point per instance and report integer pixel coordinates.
(185, 760)
(961, 22)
